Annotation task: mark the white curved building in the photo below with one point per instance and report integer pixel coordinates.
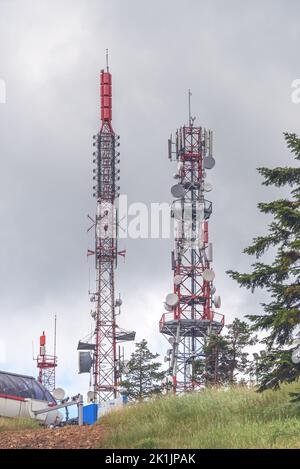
(21, 395)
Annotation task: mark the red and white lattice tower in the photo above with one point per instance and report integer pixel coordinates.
(190, 316)
(106, 356)
(46, 364)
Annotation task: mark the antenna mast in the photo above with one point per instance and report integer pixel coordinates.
(190, 316)
(47, 363)
(54, 348)
(190, 117)
(107, 67)
(104, 359)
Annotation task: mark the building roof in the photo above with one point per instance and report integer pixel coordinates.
(12, 384)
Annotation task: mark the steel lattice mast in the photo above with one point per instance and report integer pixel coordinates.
(105, 379)
(105, 361)
(46, 363)
(190, 318)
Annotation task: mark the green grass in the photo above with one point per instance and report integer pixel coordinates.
(233, 418)
(12, 424)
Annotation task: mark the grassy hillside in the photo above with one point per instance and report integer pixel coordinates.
(236, 418)
(7, 424)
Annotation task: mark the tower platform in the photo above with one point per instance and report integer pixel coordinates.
(197, 327)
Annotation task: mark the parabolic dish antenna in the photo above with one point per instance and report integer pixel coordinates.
(171, 340)
(58, 394)
(177, 191)
(172, 299)
(208, 187)
(209, 162)
(85, 362)
(208, 275)
(217, 301)
(177, 280)
(296, 356)
(90, 396)
(167, 307)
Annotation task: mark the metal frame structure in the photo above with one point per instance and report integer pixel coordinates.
(107, 334)
(47, 364)
(188, 324)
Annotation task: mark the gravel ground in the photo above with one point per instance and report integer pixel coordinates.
(72, 436)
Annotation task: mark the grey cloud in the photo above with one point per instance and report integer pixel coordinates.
(239, 60)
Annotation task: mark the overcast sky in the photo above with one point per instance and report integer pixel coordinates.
(238, 58)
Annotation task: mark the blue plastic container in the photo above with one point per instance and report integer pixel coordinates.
(90, 414)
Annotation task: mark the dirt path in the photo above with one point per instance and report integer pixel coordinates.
(68, 437)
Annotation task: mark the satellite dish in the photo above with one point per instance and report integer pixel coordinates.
(177, 191)
(209, 162)
(296, 356)
(118, 302)
(217, 301)
(208, 275)
(167, 307)
(90, 396)
(213, 290)
(172, 299)
(177, 280)
(208, 187)
(176, 176)
(58, 394)
(171, 340)
(85, 362)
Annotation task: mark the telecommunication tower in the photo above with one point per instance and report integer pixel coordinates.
(47, 363)
(190, 315)
(101, 349)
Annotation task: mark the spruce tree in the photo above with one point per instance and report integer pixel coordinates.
(239, 337)
(280, 278)
(143, 379)
(225, 357)
(216, 364)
